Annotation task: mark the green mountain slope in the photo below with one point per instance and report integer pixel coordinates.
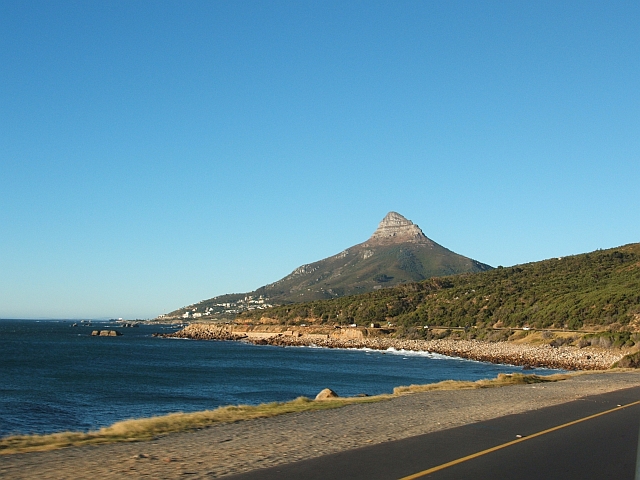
(397, 252)
(601, 288)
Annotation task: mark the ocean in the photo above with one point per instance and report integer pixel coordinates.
(56, 377)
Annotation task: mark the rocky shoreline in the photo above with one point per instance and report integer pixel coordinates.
(563, 357)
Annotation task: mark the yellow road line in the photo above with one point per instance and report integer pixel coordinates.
(513, 442)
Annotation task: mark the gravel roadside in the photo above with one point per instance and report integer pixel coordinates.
(234, 448)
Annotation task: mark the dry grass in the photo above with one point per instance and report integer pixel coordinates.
(502, 380)
(149, 428)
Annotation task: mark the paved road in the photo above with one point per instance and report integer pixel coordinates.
(604, 447)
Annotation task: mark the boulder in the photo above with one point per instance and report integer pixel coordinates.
(629, 361)
(106, 333)
(326, 394)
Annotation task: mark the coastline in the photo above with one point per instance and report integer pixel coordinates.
(527, 355)
(229, 448)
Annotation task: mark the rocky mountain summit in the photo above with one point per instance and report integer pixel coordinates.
(394, 228)
(397, 252)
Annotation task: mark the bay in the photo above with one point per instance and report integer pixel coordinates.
(56, 377)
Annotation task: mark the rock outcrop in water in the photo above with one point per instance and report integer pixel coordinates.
(105, 333)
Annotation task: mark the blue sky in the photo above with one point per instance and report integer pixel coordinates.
(154, 154)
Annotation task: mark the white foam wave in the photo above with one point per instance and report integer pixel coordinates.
(421, 353)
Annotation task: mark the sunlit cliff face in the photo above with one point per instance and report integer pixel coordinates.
(394, 228)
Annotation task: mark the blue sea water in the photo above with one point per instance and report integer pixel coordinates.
(56, 377)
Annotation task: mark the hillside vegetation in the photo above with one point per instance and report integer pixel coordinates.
(598, 289)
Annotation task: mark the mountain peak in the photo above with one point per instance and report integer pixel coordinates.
(396, 228)
(397, 252)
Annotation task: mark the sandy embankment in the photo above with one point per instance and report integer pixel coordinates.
(565, 357)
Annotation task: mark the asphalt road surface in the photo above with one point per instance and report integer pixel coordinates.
(601, 444)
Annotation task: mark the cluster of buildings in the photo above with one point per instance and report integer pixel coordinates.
(247, 303)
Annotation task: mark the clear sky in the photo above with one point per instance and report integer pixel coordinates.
(154, 154)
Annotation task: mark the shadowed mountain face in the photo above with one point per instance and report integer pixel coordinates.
(397, 252)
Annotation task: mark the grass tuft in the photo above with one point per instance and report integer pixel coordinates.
(502, 380)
